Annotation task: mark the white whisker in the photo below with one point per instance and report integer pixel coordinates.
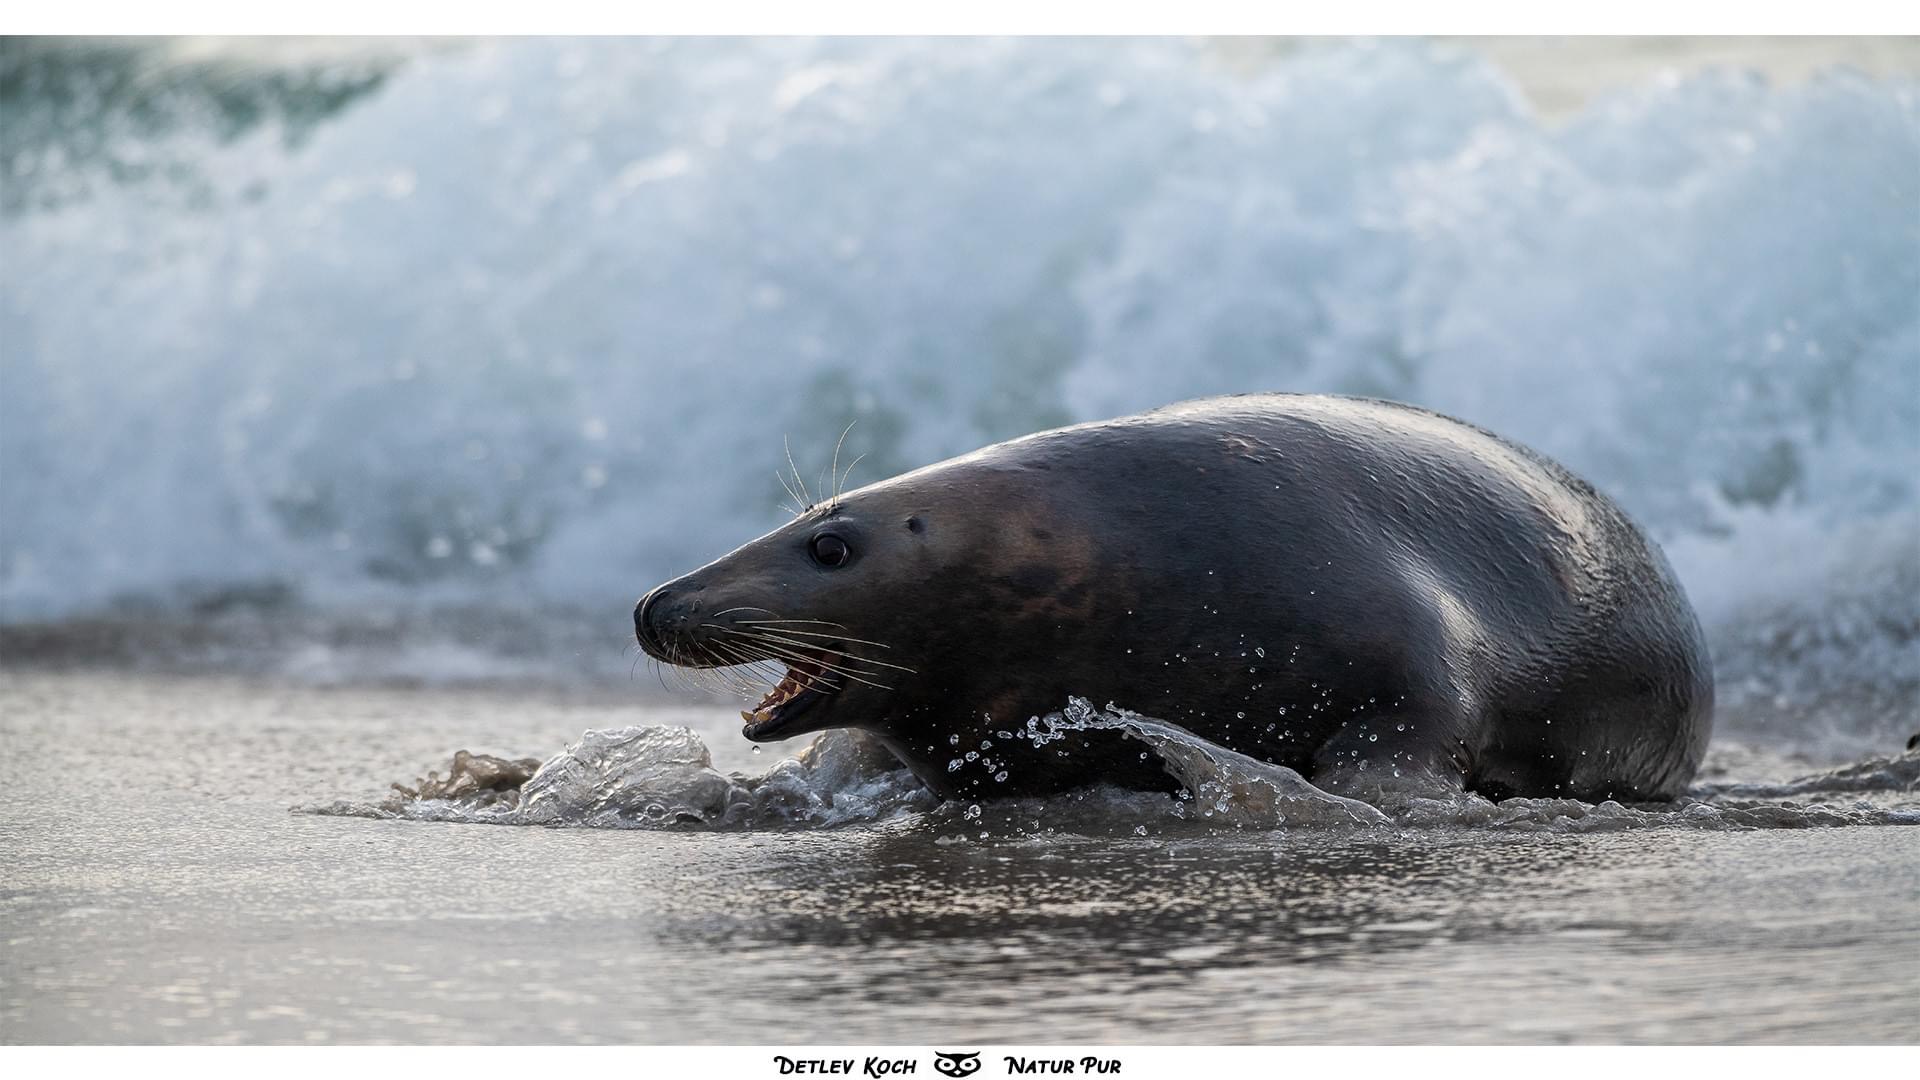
(800, 653)
(797, 478)
(833, 470)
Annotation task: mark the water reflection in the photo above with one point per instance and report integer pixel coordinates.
(1231, 938)
(1128, 907)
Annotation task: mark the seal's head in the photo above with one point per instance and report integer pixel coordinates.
(856, 598)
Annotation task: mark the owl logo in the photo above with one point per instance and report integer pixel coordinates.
(957, 1064)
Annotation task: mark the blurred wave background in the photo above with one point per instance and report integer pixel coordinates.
(423, 358)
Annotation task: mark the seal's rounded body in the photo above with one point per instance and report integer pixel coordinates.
(1360, 590)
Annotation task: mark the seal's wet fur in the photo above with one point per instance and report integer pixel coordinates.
(1370, 593)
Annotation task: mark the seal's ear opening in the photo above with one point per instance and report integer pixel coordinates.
(915, 525)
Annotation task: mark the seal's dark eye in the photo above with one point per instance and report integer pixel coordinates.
(830, 550)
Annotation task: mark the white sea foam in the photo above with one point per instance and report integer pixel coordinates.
(526, 322)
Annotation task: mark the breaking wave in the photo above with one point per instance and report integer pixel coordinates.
(521, 323)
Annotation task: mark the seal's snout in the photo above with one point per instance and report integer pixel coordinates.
(650, 618)
(685, 625)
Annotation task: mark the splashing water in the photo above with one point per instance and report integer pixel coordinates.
(660, 777)
(1223, 786)
(663, 777)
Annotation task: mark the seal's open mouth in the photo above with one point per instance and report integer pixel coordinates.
(807, 683)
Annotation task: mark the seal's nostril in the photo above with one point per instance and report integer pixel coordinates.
(641, 613)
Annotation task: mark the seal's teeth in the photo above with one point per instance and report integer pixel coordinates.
(795, 683)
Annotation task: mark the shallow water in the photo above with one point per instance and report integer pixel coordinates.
(157, 888)
(352, 368)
